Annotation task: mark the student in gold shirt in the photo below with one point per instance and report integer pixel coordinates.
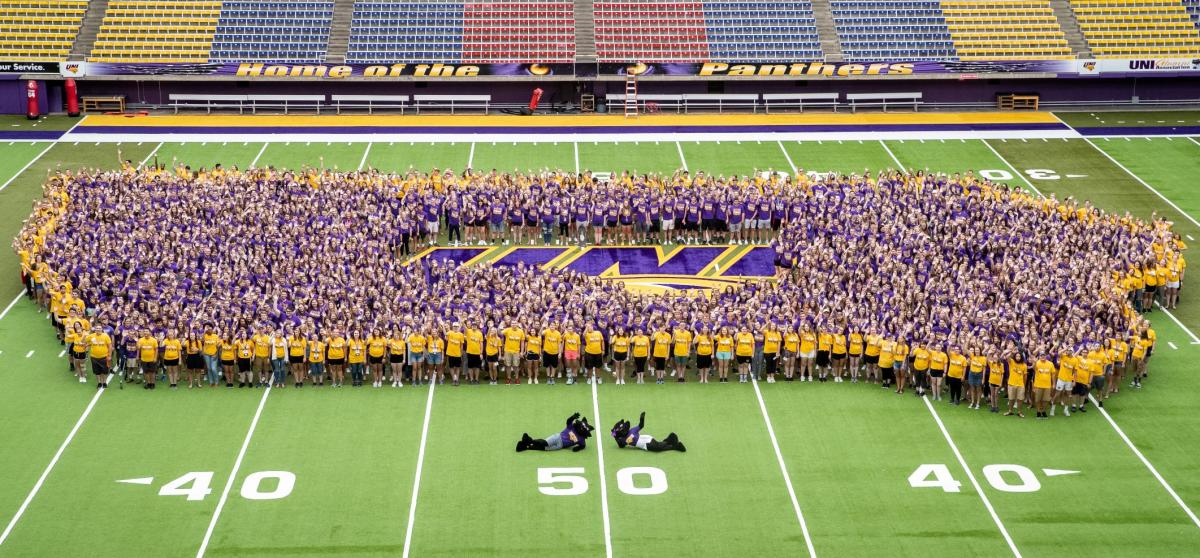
(172, 353)
(245, 360)
(227, 351)
(552, 347)
(772, 341)
(335, 358)
(938, 360)
(514, 338)
(211, 346)
(296, 344)
(808, 352)
(662, 350)
(533, 355)
(435, 356)
(148, 358)
(493, 343)
(823, 361)
(455, 342)
(1065, 382)
(681, 351)
(356, 357)
(377, 347)
(593, 354)
(704, 354)
(724, 354)
(262, 356)
(1043, 385)
(956, 369)
(314, 353)
(743, 351)
(620, 354)
(474, 350)
(995, 382)
(100, 346)
(640, 348)
(1016, 386)
(76, 339)
(194, 358)
(791, 353)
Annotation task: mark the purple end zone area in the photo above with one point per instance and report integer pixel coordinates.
(529, 256)
(11, 135)
(757, 262)
(689, 260)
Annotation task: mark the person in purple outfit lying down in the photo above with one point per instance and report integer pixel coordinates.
(628, 436)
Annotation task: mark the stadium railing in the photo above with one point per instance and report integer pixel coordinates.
(207, 102)
(799, 100)
(369, 102)
(452, 102)
(882, 100)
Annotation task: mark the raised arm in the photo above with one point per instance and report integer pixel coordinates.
(642, 419)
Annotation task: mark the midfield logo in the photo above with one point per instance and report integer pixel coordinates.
(642, 268)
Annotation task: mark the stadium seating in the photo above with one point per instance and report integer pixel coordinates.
(887, 29)
(1137, 28)
(455, 31)
(275, 31)
(1005, 30)
(1193, 10)
(691, 31)
(39, 30)
(157, 31)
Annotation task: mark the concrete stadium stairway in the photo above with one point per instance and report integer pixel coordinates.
(827, 30)
(339, 31)
(585, 32)
(1070, 26)
(86, 38)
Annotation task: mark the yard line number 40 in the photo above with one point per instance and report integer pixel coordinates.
(1002, 477)
(196, 485)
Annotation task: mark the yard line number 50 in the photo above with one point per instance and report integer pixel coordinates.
(569, 481)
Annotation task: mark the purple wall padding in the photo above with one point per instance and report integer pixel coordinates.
(935, 91)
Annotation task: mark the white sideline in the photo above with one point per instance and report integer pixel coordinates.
(1143, 183)
(237, 464)
(1014, 169)
(1146, 462)
(11, 304)
(971, 476)
(412, 506)
(1195, 340)
(366, 152)
(27, 165)
(787, 479)
(682, 159)
(603, 481)
(575, 145)
(893, 155)
(54, 461)
(471, 157)
(254, 163)
(151, 154)
(787, 156)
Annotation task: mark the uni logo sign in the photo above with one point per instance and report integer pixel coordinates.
(641, 268)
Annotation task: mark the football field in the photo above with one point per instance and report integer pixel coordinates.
(787, 469)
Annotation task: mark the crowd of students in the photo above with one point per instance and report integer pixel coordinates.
(946, 285)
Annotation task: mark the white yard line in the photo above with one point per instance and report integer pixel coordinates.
(1195, 340)
(1172, 345)
(603, 482)
(254, 163)
(27, 165)
(893, 155)
(151, 154)
(11, 304)
(1013, 169)
(1143, 183)
(1193, 140)
(682, 159)
(412, 506)
(787, 156)
(29, 354)
(366, 152)
(54, 461)
(971, 476)
(1145, 461)
(575, 144)
(471, 157)
(787, 479)
(237, 464)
